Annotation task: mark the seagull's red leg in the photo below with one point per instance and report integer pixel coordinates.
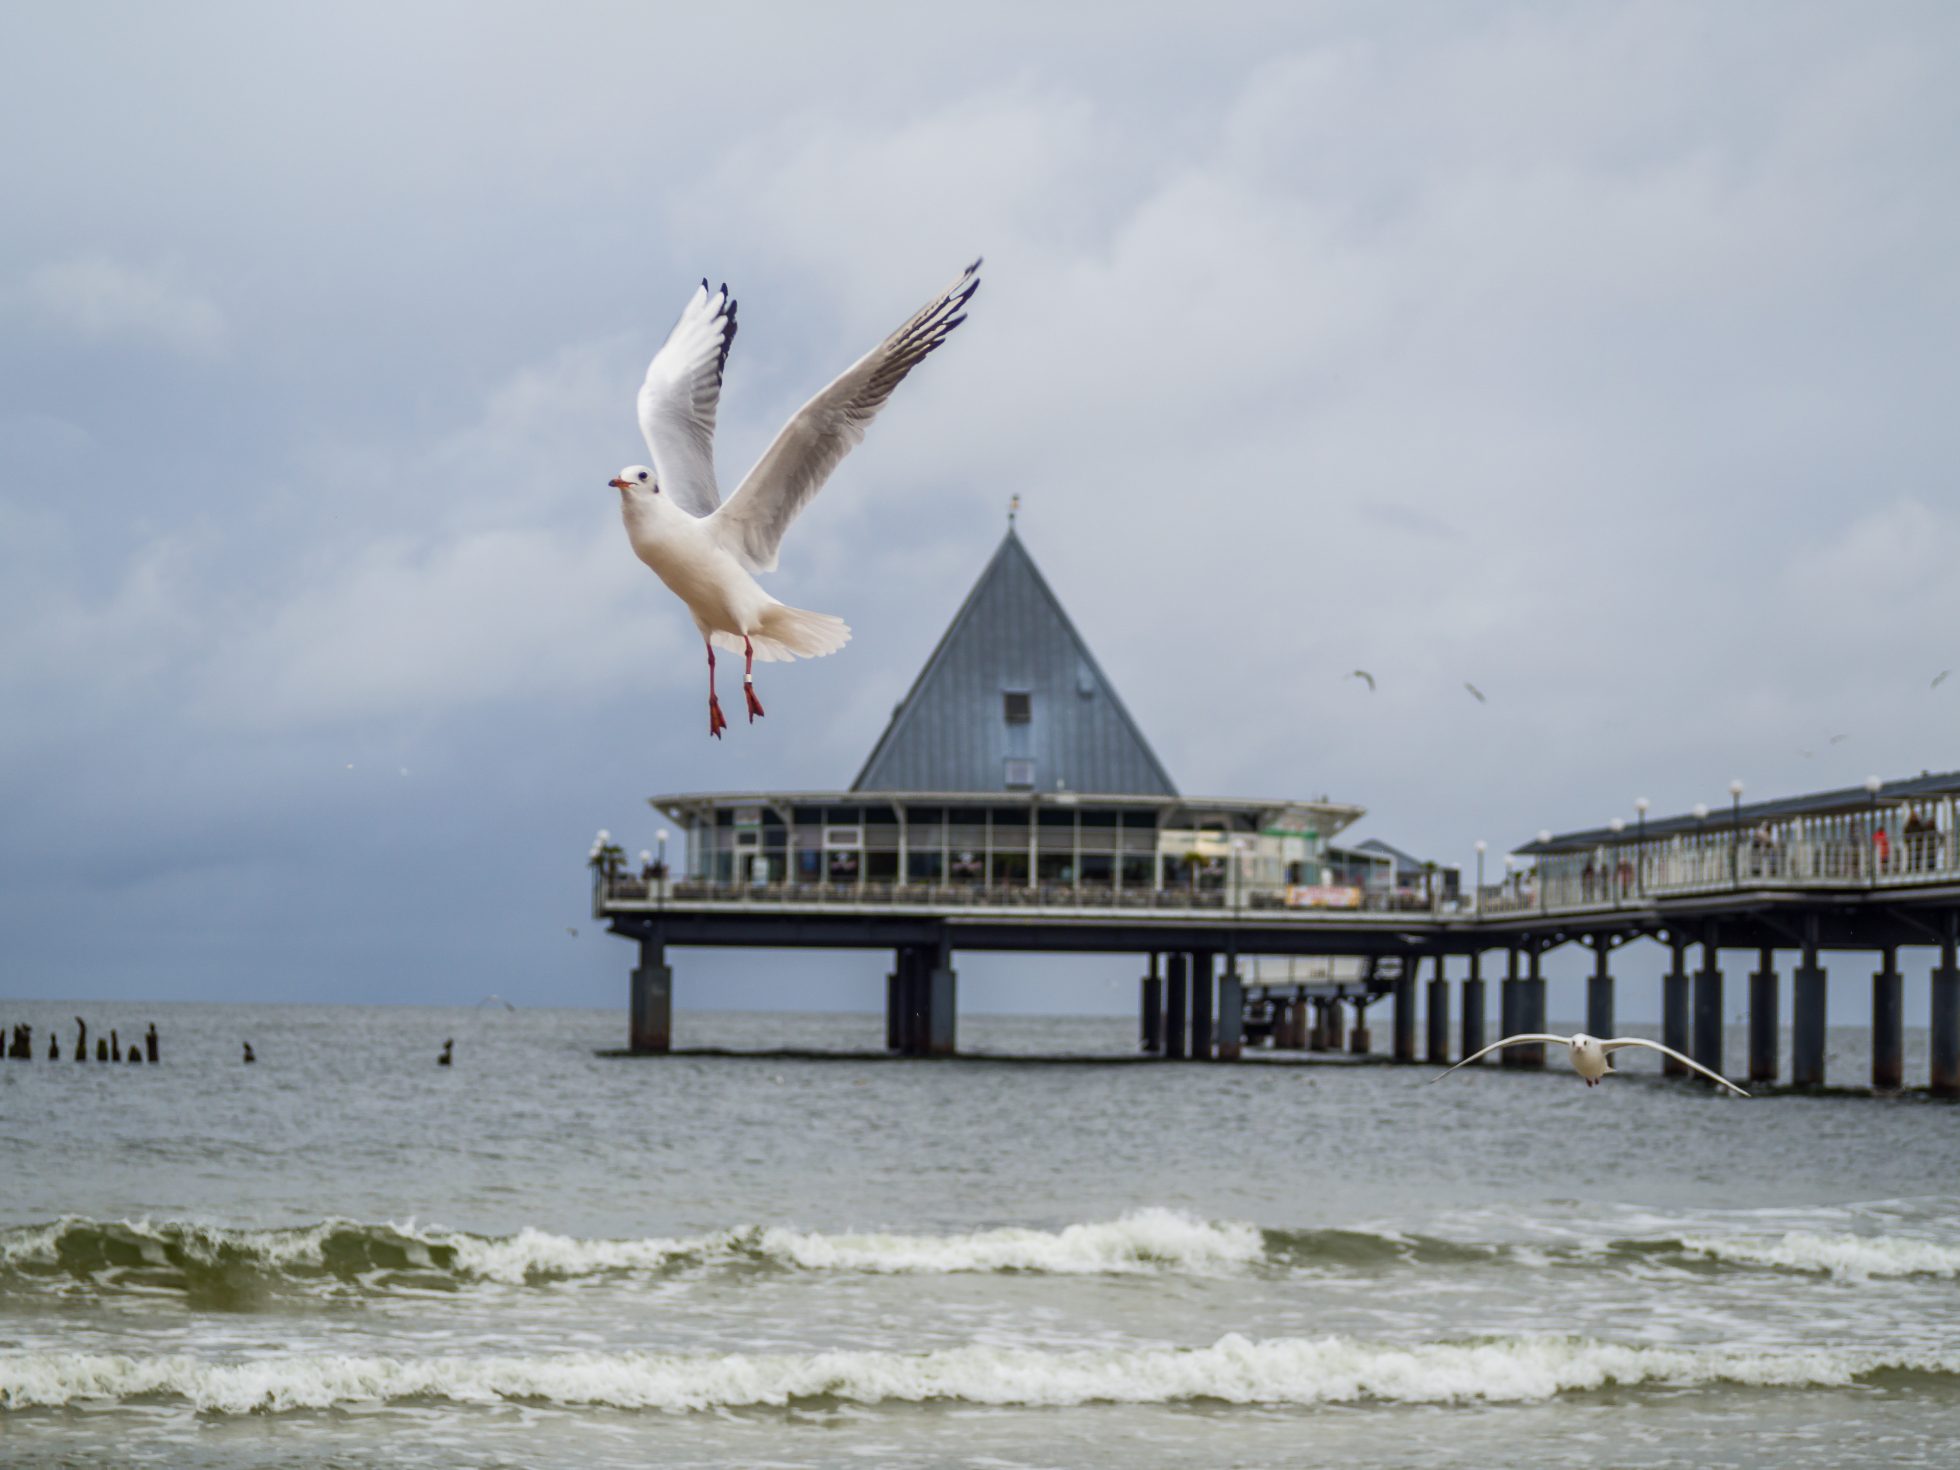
(716, 724)
(748, 678)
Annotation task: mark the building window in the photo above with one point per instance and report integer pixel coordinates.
(1017, 706)
(1020, 773)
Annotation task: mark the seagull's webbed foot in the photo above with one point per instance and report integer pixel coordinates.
(716, 722)
(755, 705)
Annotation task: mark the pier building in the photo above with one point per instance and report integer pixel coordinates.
(1013, 804)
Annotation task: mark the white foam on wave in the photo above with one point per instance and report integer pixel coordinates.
(1296, 1371)
(1852, 1257)
(1142, 1241)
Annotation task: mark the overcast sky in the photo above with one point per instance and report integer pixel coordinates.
(1602, 356)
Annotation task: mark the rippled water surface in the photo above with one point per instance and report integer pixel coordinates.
(346, 1255)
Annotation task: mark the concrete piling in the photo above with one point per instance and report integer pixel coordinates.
(1201, 1002)
(1231, 1015)
(1473, 1007)
(1946, 1013)
(1151, 1033)
(1531, 1011)
(1888, 1024)
(1674, 1008)
(651, 1003)
(1765, 1019)
(1808, 1013)
(1439, 1015)
(1361, 1040)
(1336, 1024)
(1405, 1013)
(1177, 1005)
(1599, 990)
(1507, 1008)
(1708, 1003)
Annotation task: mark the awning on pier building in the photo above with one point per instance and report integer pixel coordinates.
(1012, 700)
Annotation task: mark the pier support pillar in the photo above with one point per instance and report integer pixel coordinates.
(1507, 1009)
(1674, 1008)
(1405, 1012)
(1231, 1015)
(1708, 1004)
(1945, 1040)
(1765, 1019)
(1361, 1040)
(1336, 1026)
(1201, 1005)
(1531, 1012)
(1295, 1012)
(1473, 1007)
(1599, 991)
(1151, 1036)
(650, 1027)
(1317, 1027)
(1177, 1004)
(1439, 1015)
(1888, 1024)
(1808, 1014)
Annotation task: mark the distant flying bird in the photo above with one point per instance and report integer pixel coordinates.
(706, 551)
(571, 931)
(1476, 693)
(1589, 1056)
(1839, 739)
(1364, 674)
(1808, 754)
(1940, 677)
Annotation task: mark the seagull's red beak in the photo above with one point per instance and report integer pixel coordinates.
(620, 484)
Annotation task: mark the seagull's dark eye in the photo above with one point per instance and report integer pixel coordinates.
(643, 475)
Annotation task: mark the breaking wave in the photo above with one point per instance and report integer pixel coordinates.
(1237, 1370)
(211, 1260)
(220, 1267)
(1852, 1257)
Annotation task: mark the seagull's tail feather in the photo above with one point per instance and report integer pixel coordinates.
(790, 632)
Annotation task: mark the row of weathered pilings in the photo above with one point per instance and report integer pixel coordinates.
(20, 1044)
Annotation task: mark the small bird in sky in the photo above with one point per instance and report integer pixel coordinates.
(1808, 754)
(1839, 739)
(1590, 1055)
(571, 931)
(708, 552)
(1475, 693)
(1364, 674)
(1940, 678)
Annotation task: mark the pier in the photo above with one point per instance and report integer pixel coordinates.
(1013, 805)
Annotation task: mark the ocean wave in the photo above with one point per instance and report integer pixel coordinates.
(1235, 1370)
(1849, 1257)
(209, 1259)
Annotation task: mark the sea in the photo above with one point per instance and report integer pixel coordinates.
(347, 1255)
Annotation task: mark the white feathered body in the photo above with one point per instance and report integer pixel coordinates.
(1589, 1058)
(728, 604)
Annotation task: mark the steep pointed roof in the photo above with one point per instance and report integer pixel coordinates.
(965, 725)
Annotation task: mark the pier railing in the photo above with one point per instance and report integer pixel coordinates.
(625, 891)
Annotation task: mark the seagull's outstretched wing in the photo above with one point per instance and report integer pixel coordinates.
(1620, 1042)
(678, 399)
(827, 428)
(1364, 674)
(1522, 1036)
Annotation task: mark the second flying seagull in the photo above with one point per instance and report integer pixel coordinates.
(707, 552)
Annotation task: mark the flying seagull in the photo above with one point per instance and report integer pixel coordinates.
(1589, 1056)
(1364, 674)
(707, 552)
(1839, 739)
(1940, 677)
(1476, 693)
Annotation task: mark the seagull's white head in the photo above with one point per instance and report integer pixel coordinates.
(636, 481)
